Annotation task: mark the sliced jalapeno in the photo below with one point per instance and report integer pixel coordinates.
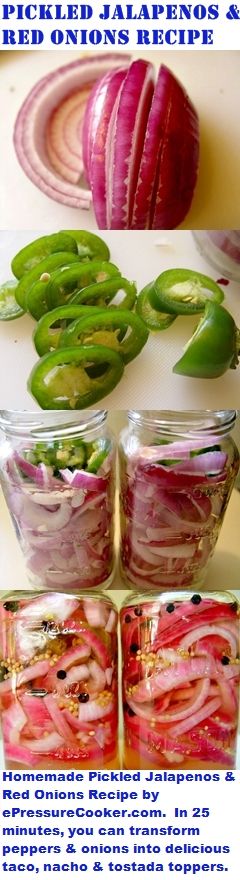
(47, 334)
(90, 246)
(9, 308)
(103, 293)
(104, 329)
(66, 283)
(213, 348)
(183, 292)
(61, 380)
(41, 248)
(153, 319)
(46, 267)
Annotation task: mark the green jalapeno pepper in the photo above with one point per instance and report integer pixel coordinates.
(104, 328)
(103, 293)
(41, 248)
(46, 267)
(183, 292)
(213, 348)
(9, 308)
(61, 380)
(49, 329)
(153, 319)
(67, 282)
(90, 246)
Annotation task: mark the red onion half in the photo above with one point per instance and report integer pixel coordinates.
(137, 145)
(148, 157)
(48, 127)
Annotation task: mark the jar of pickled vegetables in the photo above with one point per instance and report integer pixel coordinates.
(58, 680)
(177, 472)
(181, 672)
(58, 476)
(221, 248)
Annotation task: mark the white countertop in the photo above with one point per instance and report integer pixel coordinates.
(148, 381)
(212, 81)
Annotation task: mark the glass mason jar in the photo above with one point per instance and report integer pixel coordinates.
(221, 248)
(58, 477)
(177, 472)
(58, 680)
(181, 673)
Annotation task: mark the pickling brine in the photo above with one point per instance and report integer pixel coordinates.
(58, 477)
(181, 673)
(177, 472)
(58, 680)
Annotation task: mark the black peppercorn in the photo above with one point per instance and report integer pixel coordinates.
(128, 618)
(196, 599)
(225, 660)
(134, 647)
(170, 608)
(61, 674)
(83, 698)
(138, 612)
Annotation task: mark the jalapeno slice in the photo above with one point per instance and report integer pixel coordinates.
(103, 293)
(46, 267)
(183, 292)
(153, 319)
(213, 348)
(67, 282)
(9, 308)
(40, 249)
(90, 246)
(49, 329)
(61, 380)
(104, 329)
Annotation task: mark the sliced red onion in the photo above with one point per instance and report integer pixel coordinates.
(95, 129)
(64, 523)
(64, 136)
(124, 143)
(13, 722)
(29, 674)
(172, 505)
(61, 725)
(197, 718)
(34, 115)
(203, 632)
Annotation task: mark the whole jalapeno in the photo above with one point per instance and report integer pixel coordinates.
(153, 319)
(103, 293)
(49, 328)
(45, 268)
(39, 249)
(89, 245)
(183, 292)
(66, 283)
(62, 380)
(213, 348)
(104, 328)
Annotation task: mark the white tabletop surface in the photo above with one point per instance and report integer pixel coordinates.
(148, 381)
(212, 82)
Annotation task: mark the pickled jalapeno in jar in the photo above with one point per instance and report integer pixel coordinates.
(58, 680)
(181, 673)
